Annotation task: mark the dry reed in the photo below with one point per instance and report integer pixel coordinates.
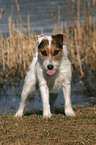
(16, 50)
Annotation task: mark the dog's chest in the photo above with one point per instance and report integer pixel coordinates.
(55, 84)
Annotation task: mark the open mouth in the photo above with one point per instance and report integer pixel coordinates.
(51, 72)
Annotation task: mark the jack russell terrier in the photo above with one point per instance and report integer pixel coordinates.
(50, 70)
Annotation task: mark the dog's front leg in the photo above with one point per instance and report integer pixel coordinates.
(19, 113)
(66, 92)
(45, 100)
(29, 86)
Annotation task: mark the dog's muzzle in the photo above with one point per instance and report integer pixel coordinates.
(50, 66)
(50, 70)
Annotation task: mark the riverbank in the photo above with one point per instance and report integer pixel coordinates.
(33, 129)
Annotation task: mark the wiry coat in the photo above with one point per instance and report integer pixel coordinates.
(48, 85)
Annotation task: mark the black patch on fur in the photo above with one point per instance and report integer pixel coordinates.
(43, 44)
(57, 40)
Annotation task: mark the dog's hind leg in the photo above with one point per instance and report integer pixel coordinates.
(29, 86)
(53, 98)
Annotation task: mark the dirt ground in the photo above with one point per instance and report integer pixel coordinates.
(33, 129)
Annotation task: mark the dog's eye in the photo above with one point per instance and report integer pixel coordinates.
(56, 52)
(44, 53)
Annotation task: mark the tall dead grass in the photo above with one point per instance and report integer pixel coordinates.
(16, 50)
(81, 40)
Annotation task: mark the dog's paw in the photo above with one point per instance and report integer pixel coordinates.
(18, 114)
(69, 112)
(47, 115)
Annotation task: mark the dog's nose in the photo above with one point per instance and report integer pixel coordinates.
(50, 66)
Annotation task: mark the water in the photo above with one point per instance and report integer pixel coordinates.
(40, 13)
(10, 98)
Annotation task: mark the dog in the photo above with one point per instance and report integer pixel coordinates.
(50, 70)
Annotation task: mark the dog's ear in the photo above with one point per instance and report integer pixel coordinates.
(58, 39)
(39, 38)
(42, 41)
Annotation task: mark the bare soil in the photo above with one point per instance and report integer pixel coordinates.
(33, 129)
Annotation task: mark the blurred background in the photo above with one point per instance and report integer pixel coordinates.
(43, 14)
(21, 21)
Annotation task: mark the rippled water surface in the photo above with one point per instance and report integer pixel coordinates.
(10, 99)
(43, 13)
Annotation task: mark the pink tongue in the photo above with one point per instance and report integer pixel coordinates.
(51, 72)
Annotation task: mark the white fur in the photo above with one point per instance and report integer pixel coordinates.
(49, 86)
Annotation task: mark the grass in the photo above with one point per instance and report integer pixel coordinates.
(17, 49)
(34, 129)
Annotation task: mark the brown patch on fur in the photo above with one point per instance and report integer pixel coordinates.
(57, 40)
(52, 50)
(55, 50)
(46, 49)
(43, 43)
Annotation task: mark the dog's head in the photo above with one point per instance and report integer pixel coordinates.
(50, 50)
